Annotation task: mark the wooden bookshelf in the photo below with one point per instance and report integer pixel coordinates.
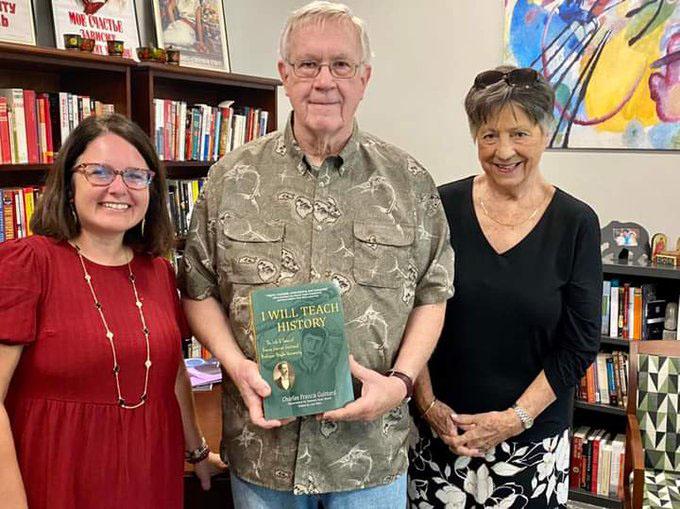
(130, 87)
(600, 408)
(156, 81)
(646, 270)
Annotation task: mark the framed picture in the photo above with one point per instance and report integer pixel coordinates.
(197, 28)
(624, 242)
(16, 22)
(101, 20)
(614, 67)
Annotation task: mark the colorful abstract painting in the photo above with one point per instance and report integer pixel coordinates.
(614, 64)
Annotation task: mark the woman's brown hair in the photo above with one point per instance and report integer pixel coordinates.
(54, 216)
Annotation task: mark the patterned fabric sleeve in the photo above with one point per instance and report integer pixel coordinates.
(197, 277)
(434, 251)
(20, 292)
(579, 335)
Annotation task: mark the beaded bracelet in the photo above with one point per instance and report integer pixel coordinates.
(429, 407)
(198, 454)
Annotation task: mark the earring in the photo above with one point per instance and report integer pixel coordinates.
(142, 229)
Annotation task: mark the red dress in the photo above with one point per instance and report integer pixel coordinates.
(76, 447)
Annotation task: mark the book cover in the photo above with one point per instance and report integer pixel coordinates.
(301, 349)
(31, 126)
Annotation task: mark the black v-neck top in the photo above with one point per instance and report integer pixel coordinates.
(534, 307)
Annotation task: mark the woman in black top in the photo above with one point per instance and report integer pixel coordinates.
(524, 323)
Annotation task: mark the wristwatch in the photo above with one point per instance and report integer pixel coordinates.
(527, 420)
(407, 382)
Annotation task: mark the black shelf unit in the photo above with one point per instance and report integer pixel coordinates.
(612, 417)
(594, 499)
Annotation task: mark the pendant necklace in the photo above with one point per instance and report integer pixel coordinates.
(110, 336)
(511, 225)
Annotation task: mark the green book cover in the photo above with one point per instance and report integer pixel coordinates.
(301, 349)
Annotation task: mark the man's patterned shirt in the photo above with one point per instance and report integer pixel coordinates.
(370, 220)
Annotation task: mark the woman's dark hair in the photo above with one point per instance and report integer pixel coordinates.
(537, 101)
(54, 216)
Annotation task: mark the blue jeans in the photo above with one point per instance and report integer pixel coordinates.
(250, 496)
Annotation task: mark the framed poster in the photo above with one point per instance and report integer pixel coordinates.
(197, 28)
(614, 65)
(16, 22)
(99, 20)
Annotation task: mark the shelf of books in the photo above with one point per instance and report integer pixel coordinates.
(634, 301)
(194, 116)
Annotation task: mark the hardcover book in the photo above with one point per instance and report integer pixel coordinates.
(301, 349)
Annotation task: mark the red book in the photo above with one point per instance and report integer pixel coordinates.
(595, 461)
(31, 127)
(590, 383)
(576, 457)
(5, 147)
(49, 146)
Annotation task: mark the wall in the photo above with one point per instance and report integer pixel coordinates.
(426, 55)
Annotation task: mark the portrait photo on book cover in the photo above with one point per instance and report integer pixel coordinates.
(197, 28)
(284, 375)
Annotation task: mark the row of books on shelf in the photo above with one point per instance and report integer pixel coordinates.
(33, 125)
(606, 380)
(597, 462)
(182, 195)
(18, 205)
(201, 132)
(632, 312)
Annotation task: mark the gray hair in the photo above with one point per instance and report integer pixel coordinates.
(319, 12)
(536, 101)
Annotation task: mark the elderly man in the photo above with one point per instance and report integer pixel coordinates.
(321, 201)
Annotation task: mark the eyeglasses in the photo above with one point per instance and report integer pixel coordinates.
(341, 69)
(101, 174)
(524, 77)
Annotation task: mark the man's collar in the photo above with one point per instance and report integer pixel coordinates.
(292, 148)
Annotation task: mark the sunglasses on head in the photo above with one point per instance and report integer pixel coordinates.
(524, 77)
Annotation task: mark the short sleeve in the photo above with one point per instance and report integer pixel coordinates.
(434, 252)
(20, 292)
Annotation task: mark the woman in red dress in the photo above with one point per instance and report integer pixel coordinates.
(97, 405)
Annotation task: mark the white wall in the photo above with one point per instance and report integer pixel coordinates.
(426, 55)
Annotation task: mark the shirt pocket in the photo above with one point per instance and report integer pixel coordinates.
(251, 251)
(381, 253)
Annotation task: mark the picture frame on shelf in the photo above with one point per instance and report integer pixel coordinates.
(17, 25)
(624, 243)
(103, 20)
(197, 28)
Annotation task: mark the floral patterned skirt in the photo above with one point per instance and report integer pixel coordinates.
(511, 476)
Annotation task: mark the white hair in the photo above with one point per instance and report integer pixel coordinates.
(323, 11)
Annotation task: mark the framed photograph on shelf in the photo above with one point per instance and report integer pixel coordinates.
(197, 28)
(16, 22)
(102, 20)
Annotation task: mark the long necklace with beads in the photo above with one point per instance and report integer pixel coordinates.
(110, 337)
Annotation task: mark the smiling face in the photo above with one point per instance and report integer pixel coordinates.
(109, 211)
(324, 106)
(510, 147)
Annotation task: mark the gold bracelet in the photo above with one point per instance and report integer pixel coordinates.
(429, 407)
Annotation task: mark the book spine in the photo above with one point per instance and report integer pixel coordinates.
(31, 126)
(614, 311)
(613, 395)
(8, 213)
(5, 147)
(606, 293)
